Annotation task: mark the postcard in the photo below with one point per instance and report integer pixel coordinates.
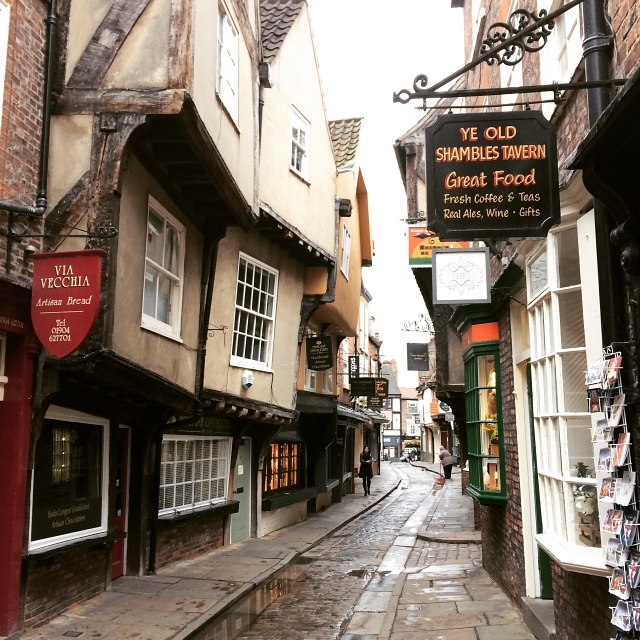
(602, 432)
(620, 449)
(595, 373)
(604, 460)
(610, 377)
(633, 570)
(621, 616)
(618, 584)
(615, 553)
(629, 527)
(617, 409)
(612, 521)
(624, 488)
(608, 489)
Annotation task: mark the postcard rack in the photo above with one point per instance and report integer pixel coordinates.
(606, 397)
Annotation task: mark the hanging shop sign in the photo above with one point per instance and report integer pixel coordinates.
(461, 276)
(492, 175)
(422, 241)
(374, 402)
(354, 368)
(65, 298)
(382, 387)
(319, 352)
(417, 356)
(363, 387)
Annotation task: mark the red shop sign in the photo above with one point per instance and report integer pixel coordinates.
(65, 298)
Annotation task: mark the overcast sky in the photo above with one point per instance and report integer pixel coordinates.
(368, 49)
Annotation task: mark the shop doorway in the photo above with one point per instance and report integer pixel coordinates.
(241, 521)
(121, 502)
(544, 561)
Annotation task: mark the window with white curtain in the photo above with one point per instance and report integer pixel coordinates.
(194, 472)
(558, 360)
(227, 63)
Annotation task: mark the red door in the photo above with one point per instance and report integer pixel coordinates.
(122, 469)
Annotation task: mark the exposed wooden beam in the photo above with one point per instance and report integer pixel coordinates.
(106, 42)
(78, 101)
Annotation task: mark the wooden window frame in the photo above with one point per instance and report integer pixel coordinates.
(289, 477)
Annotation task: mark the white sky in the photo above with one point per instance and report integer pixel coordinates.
(368, 49)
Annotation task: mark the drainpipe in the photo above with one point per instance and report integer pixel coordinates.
(266, 82)
(596, 48)
(206, 300)
(40, 206)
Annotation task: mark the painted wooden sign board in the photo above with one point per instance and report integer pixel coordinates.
(65, 298)
(319, 351)
(422, 242)
(492, 175)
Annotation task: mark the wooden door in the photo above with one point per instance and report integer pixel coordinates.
(122, 476)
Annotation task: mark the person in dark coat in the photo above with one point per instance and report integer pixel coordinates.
(447, 462)
(366, 470)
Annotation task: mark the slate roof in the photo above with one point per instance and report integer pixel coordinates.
(276, 19)
(386, 371)
(345, 135)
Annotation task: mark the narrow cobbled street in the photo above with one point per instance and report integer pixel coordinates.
(375, 579)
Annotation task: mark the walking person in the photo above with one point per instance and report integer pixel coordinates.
(446, 460)
(366, 470)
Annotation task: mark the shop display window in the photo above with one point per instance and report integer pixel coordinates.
(484, 422)
(283, 467)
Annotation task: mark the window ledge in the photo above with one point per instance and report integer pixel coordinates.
(77, 543)
(220, 509)
(249, 364)
(299, 176)
(161, 331)
(574, 558)
(278, 501)
(488, 498)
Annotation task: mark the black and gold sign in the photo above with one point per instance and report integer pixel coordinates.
(374, 402)
(492, 175)
(382, 387)
(417, 356)
(319, 352)
(363, 387)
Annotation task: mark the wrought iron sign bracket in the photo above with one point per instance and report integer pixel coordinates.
(422, 325)
(212, 328)
(506, 43)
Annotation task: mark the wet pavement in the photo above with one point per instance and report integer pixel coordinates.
(371, 579)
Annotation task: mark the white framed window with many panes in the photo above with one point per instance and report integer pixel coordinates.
(557, 315)
(227, 73)
(345, 251)
(194, 472)
(163, 272)
(299, 144)
(255, 314)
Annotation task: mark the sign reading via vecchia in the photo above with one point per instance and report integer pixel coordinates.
(65, 298)
(492, 175)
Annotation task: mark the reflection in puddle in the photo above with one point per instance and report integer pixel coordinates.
(367, 573)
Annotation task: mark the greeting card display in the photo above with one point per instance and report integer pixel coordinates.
(617, 408)
(595, 374)
(612, 522)
(602, 432)
(608, 489)
(621, 615)
(616, 553)
(633, 570)
(629, 526)
(604, 460)
(610, 377)
(625, 488)
(618, 584)
(635, 615)
(620, 449)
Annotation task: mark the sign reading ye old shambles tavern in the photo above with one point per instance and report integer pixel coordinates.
(492, 175)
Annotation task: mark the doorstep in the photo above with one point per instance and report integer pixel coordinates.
(539, 616)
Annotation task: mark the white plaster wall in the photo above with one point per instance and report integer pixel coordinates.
(323, 501)
(273, 520)
(309, 205)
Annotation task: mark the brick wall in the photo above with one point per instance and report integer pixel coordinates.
(21, 124)
(625, 18)
(54, 584)
(581, 604)
(189, 536)
(502, 545)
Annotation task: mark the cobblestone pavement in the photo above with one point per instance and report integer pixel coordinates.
(374, 579)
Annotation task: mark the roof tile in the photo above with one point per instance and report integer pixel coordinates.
(276, 19)
(345, 135)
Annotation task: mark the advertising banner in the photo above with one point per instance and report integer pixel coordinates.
(417, 356)
(354, 368)
(492, 175)
(65, 298)
(422, 241)
(319, 352)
